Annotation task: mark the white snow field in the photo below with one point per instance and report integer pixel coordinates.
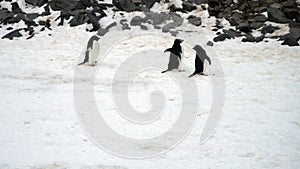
(39, 127)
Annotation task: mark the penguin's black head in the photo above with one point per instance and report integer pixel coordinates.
(178, 41)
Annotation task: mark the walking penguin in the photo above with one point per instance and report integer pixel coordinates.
(201, 56)
(92, 51)
(175, 55)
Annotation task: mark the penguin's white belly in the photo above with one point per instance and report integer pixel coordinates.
(94, 53)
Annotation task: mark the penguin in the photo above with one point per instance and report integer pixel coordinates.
(175, 55)
(92, 51)
(201, 56)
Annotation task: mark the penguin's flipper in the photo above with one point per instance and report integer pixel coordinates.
(165, 71)
(208, 59)
(86, 58)
(168, 50)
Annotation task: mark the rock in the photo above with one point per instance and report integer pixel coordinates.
(256, 25)
(260, 18)
(210, 43)
(251, 38)
(194, 20)
(188, 6)
(221, 37)
(292, 38)
(5, 14)
(157, 27)
(173, 8)
(177, 22)
(94, 21)
(232, 33)
(122, 21)
(199, 2)
(78, 19)
(32, 16)
(149, 3)
(143, 27)
(269, 29)
(236, 19)
(13, 34)
(38, 3)
(244, 27)
(125, 5)
(58, 5)
(291, 13)
(294, 24)
(275, 15)
(15, 8)
(137, 20)
(157, 18)
(174, 33)
(125, 27)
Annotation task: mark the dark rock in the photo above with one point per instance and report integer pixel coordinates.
(173, 8)
(292, 38)
(210, 43)
(275, 15)
(58, 5)
(174, 33)
(251, 38)
(149, 3)
(16, 8)
(244, 27)
(157, 27)
(256, 25)
(236, 19)
(269, 29)
(260, 9)
(9, 28)
(137, 20)
(123, 21)
(199, 2)
(38, 3)
(260, 18)
(232, 33)
(13, 34)
(194, 20)
(78, 19)
(188, 6)
(221, 37)
(94, 21)
(32, 16)
(294, 24)
(5, 14)
(125, 27)
(125, 5)
(30, 36)
(291, 13)
(143, 27)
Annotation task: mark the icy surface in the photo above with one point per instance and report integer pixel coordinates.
(260, 127)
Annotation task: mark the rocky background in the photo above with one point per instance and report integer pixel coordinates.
(249, 20)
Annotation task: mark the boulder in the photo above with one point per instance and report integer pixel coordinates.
(5, 14)
(275, 15)
(78, 19)
(188, 6)
(194, 20)
(269, 29)
(125, 5)
(13, 34)
(221, 37)
(137, 20)
(15, 8)
(292, 38)
(210, 43)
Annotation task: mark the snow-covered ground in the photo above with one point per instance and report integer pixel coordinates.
(39, 128)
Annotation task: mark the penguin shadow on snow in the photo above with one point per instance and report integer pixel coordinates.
(175, 56)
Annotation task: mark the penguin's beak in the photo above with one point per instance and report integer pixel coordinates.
(181, 40)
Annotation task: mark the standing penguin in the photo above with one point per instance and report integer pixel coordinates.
(201, 56)
(92, 51)
(175, 55)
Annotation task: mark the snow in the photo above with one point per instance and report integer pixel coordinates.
(39, 127)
